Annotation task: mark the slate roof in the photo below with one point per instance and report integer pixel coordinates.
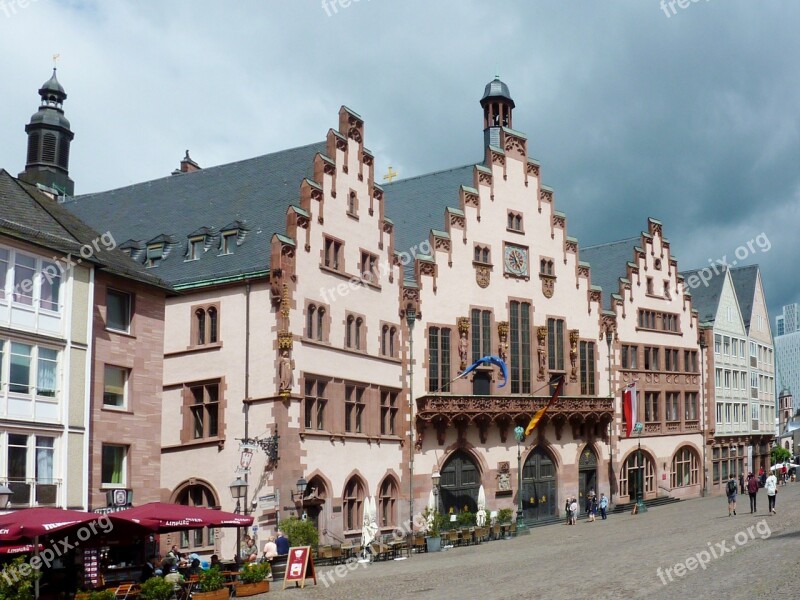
(744, 282)
(417, 204)
(705, 297)
(29, 215)
(608, 263)
(255, 192)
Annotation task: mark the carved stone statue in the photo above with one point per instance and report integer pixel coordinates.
(542, 352)
(504, 478)
(573, 354)
(502, 350)
(285, 373)
(463, 349)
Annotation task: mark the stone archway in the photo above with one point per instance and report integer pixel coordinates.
(539, 486)
(459, 483)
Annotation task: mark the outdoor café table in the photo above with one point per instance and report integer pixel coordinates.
(395, 547)
(348, 550)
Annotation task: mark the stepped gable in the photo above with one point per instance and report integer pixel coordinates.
(255, 192)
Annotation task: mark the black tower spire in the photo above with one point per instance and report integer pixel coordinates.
(497, 106)
(49, 137)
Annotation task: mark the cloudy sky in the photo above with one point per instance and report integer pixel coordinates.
(689, 115)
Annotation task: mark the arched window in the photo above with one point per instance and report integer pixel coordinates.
(685, 468)
(201, 539)
(630, 473)
(359, 323)
(212, 325)
(200, 315)
(384, 340)
(353, 504)
(310, 314)
(387, 512)
(392, 337)
(348, 341)
(320, 322)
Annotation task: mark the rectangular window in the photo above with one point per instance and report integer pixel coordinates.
(717, 343)
(369, 267)
(315, 404)
(17, 461)
(481, 333)
(354, 409)
(651, 359)
(155, 252)
(204, 410)
(718, 378)
(673, 406)
(587, 368)
(45, 452)
(24, 272)
(46, 369)
(671, 360)
(196, 246)
(651, 414)
(115, 386)
(388, 412)
(19, 379)
(690, 401)
(555, 344)
(520, 338)
(113, 464)
(726, 345)
(669, 322)
(690, 361)
(727, 380)
(439, 359)
(333, 254)
(719, 414)
(742, 348)
(228, 242)
(630, 357)
(118, 310)
(647, 318)
(4, 256)
(49, 287)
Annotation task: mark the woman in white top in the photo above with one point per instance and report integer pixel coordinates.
(771, 485)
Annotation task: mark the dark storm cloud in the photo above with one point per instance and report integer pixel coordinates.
(692, 118)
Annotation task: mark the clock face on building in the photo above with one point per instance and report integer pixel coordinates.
(516, 260)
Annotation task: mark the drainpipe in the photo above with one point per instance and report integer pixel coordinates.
(610, 425)
(246, 379)
(411, 316)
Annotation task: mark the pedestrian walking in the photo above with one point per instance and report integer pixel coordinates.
(573, 511)
(603, 505)
(752, 490)
(592, 508)
(567, 512)
(771, 485)
(730, 491)
(741, 483)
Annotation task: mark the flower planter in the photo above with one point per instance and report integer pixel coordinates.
(215, 595)
(251, 589)
(433, 544)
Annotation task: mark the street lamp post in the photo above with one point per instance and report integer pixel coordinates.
(640, 505)
(703, 414)
(519, 434)
(610, 425)
(411, 317)
(238, 492)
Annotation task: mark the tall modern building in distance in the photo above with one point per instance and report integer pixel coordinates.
(787, 352)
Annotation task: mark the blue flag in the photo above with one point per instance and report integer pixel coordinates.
(488, 360)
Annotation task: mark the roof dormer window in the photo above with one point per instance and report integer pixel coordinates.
(228, 242)
(196, 248)
(155, 253)
(233, 234)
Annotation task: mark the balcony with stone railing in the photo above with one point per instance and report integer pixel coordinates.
(582, 413)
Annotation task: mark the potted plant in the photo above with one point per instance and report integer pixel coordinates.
(253, 580)
(433, 520)
(212, 586)
(504, 516)
(299, 532)
(466, 519)
(21, 585)
(154, 588)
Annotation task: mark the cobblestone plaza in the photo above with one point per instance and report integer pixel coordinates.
(746, 556)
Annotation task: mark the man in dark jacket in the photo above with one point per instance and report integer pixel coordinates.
(282, 543)
(752, 490)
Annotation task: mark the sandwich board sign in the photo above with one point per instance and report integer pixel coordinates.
(299, 567)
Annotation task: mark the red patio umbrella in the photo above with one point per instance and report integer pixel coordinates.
(29, 523)
(161, 517)
(20, 549)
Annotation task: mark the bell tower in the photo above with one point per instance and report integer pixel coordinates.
(49, 138)
(497, 107)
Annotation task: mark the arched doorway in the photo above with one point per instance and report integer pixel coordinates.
(459, 483)
(633, 471)
(314, 498)
(587, 474)
(539, 481)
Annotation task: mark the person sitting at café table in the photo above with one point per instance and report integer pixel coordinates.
(282, 542)
(270, 548)
(215, 562)
(173, 576)
(194, 566)
(149, 569)
(250, 551)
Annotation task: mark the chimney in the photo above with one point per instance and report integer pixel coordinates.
(187, 165)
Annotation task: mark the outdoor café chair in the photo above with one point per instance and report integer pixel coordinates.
(126, 590)
(336, 554)
(419, 543)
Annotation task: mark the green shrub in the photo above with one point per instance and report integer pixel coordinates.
(254, 572)
(17, 581)
(156, 588)
(211, 580)
(466, 519)
(299, 532)
(504, 515)
(437, 523)
(780, 455)
(102, 595)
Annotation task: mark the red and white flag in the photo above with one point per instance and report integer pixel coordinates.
(629, 407)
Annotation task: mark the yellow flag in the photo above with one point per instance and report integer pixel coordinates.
(540, 413)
